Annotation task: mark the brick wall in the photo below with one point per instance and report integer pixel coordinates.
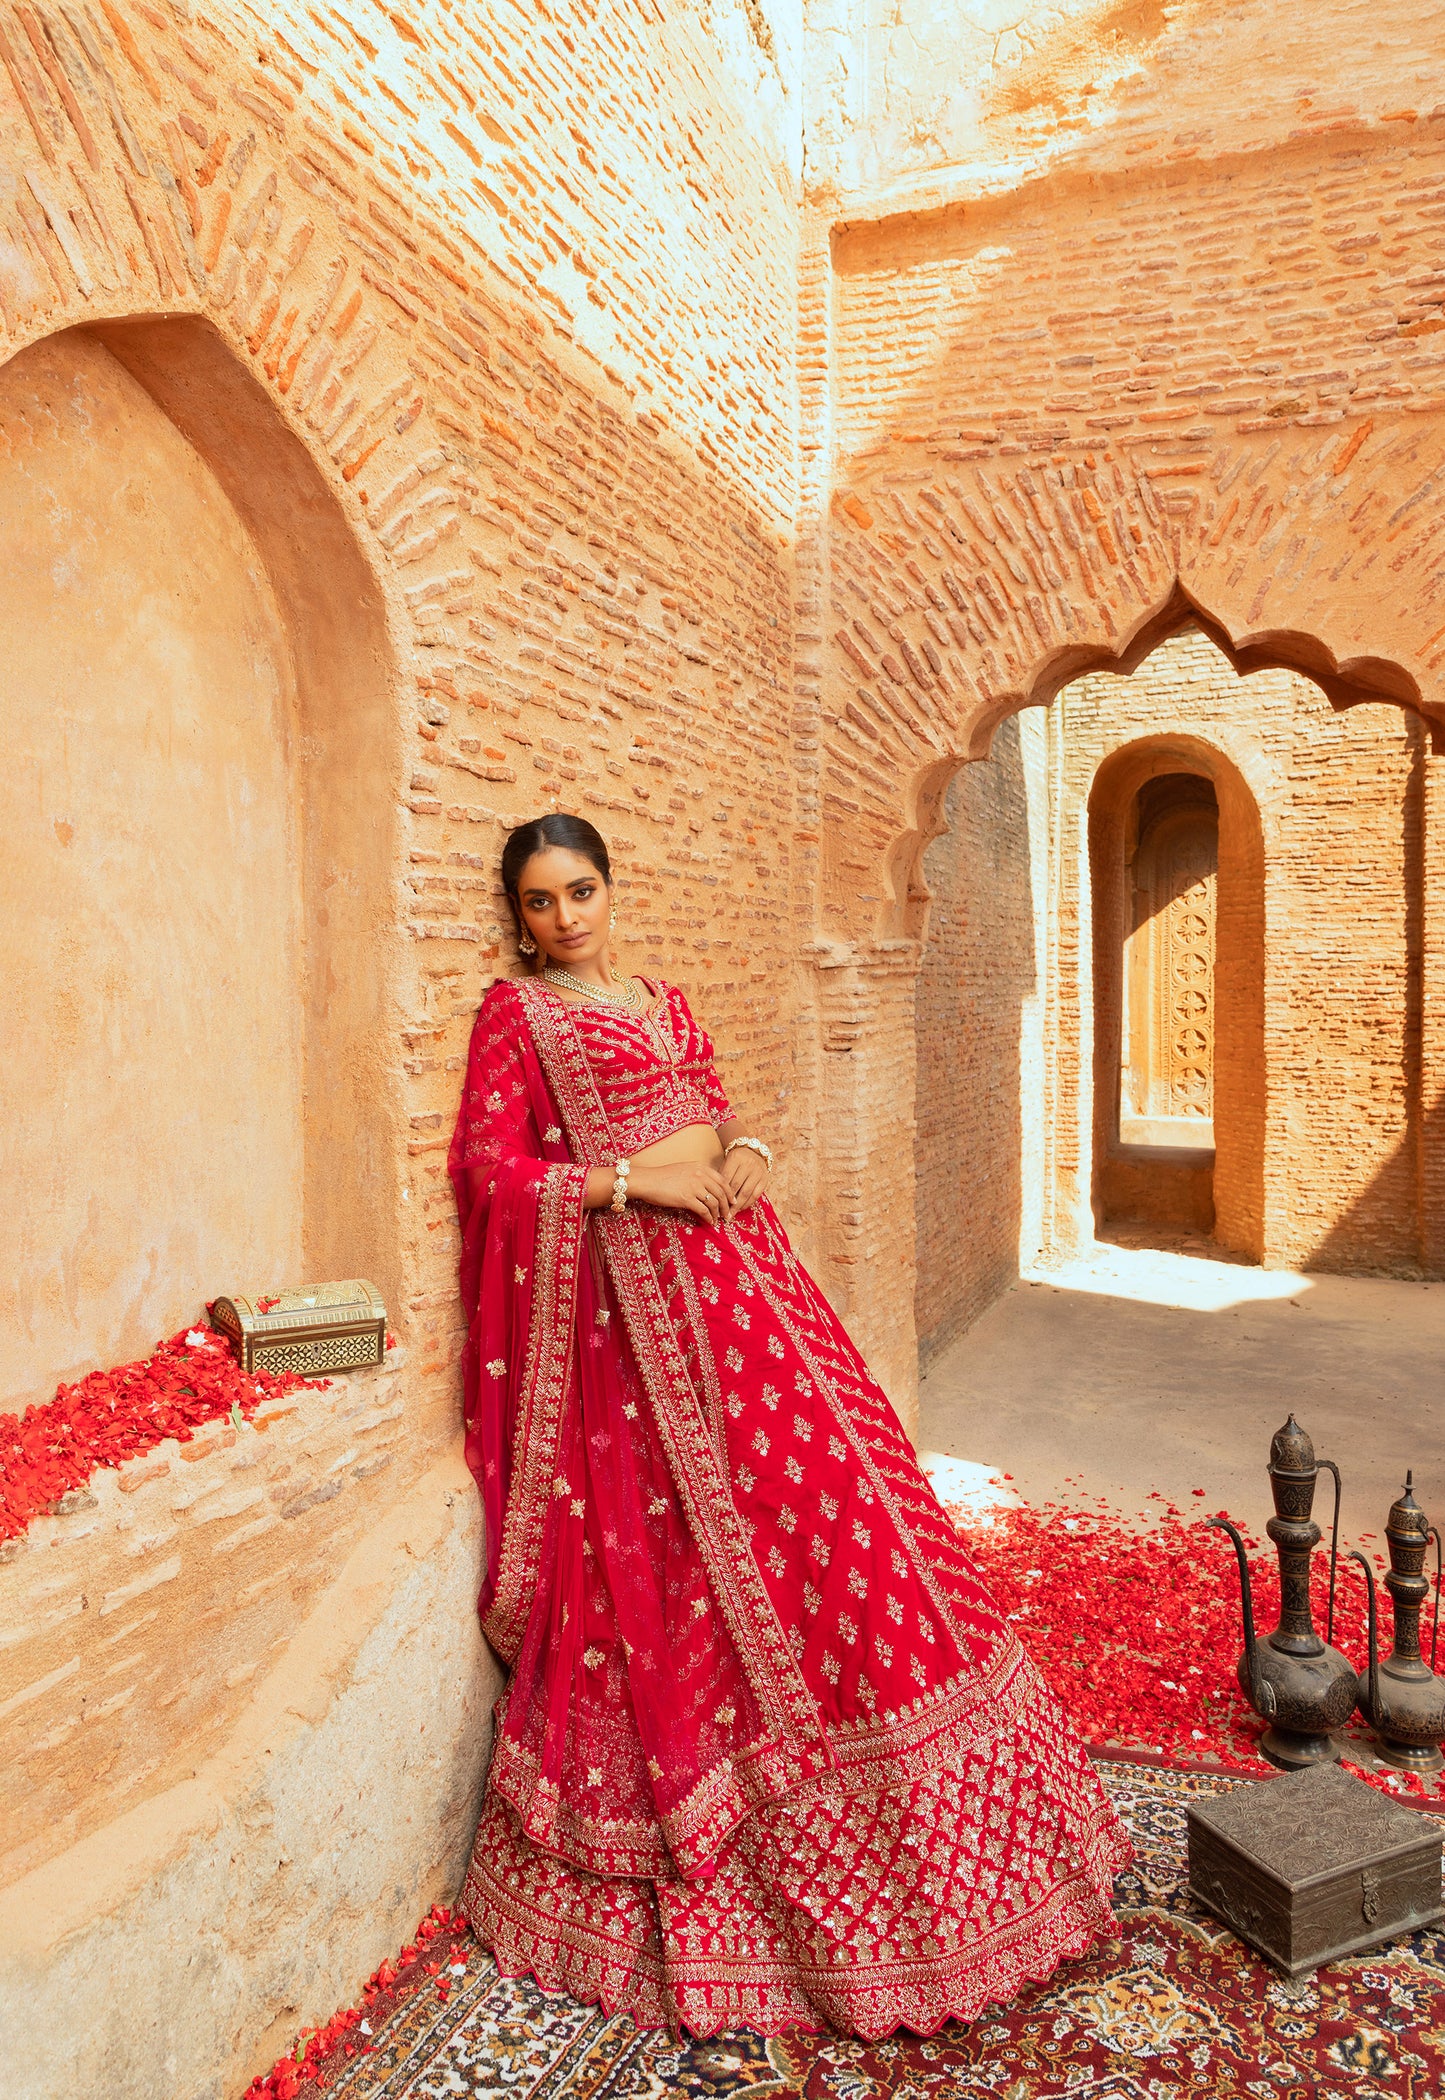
(1067, 409)
(1338, 801)
(978, 999)
(1318, 1113)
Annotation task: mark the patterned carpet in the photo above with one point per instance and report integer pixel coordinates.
(1175, 2006)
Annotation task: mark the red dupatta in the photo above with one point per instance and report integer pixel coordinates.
(582, 1421)
(520, 1209)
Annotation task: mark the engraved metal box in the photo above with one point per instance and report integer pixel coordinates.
(1314, 1866)
(329, 1327)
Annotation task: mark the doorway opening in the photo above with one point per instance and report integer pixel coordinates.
(1159, 1167)
(1176, 867)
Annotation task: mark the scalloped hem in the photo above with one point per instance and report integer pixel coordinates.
(616, 1959)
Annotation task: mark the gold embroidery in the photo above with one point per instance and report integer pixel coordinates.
(539, 1409)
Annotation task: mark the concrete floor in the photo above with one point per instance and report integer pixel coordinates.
(1133, 1370)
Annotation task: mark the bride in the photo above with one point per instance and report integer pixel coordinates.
(768, 1756)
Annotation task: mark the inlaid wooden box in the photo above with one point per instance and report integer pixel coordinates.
(1313, 1866)
(328, 1327)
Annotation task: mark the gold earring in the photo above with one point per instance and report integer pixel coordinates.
(526, 943)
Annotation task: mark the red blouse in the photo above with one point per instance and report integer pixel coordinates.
(653, 1074)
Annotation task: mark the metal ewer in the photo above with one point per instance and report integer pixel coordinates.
(1299, 1684)
(1401, 1698)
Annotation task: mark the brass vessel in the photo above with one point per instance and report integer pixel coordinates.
(1300, 1685)
(1402, 1698)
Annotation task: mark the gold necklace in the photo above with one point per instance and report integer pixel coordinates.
(630, 997)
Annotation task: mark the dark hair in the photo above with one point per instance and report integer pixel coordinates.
(575, 834)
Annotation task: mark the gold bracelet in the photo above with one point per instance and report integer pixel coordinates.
(621, 1169)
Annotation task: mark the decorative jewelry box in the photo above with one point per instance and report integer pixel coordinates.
(329, 1327)
(1314, 1866)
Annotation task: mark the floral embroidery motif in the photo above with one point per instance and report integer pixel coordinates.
(497, 1368)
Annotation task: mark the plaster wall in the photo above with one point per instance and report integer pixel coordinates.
(151, 937)
(178, 1948)
(911, 103)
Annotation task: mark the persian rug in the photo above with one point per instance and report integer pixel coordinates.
(1174, 2006)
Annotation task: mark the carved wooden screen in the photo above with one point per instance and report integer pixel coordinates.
(1169, 1040)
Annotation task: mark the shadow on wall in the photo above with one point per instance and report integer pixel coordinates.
(1413, 1177)
(1408, 1188)
(978, 971)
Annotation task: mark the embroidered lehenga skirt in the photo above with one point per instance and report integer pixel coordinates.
(768, 1755)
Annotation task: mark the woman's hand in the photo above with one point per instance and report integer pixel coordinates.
(687, 1184)
(746, 1174)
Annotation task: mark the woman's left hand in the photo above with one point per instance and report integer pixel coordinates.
(746, 1174)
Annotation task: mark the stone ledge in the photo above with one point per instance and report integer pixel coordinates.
(133, 1620)
(204, 1924)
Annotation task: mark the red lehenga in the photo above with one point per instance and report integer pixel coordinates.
(768, 1756)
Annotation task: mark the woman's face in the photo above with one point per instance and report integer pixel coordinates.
(565, 906)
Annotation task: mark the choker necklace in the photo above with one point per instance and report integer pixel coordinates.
(629, 996)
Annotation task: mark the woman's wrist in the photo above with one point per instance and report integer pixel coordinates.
(750, 1144)
(601, 1187)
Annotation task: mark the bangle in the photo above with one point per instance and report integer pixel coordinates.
(753, 1144)
(621, 1170)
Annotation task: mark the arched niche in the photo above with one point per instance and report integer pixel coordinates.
(199, 838)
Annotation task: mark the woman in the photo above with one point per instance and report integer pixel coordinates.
(768, 1756)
